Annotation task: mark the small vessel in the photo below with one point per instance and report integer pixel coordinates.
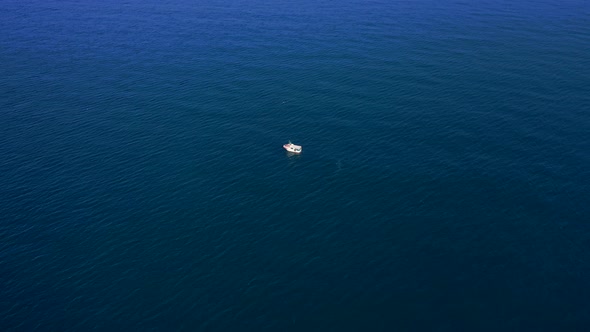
(292, 147)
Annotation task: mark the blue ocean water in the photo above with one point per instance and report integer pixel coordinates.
(444, 183)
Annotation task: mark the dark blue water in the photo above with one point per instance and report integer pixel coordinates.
(444, 183)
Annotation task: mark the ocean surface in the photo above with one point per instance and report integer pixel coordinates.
(444, 183)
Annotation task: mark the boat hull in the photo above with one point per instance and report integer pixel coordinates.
(292, 148)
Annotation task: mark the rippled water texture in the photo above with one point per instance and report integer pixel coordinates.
(443, 186)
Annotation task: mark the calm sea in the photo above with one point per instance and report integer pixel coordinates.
(444, 183)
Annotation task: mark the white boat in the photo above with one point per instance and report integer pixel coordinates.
(292, 147)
